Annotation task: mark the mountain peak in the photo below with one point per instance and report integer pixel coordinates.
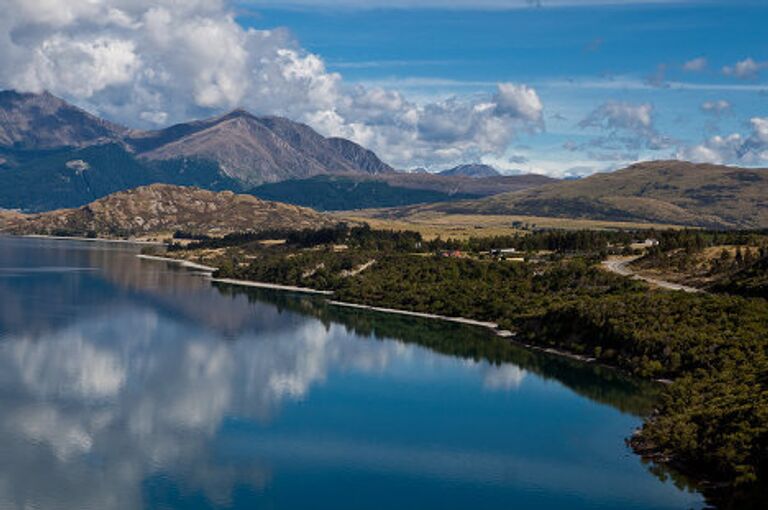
(236, 149)
(236, 114)
(44, 121)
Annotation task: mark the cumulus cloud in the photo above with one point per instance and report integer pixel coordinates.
(147, 63)
(746, 69)
(629, 126)
(695, 65)
(750, 149)
(519, 102)
(617, 115)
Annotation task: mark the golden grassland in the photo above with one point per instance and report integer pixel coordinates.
(432, 224)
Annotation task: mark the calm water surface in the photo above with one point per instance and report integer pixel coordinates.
(129, 384)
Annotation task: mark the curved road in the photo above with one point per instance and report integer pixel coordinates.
(619, 265)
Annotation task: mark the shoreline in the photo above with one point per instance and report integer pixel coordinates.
(272, 286)
(91, 239)
(423, 315)
(180, 262)
(209, 270)
(491, 326)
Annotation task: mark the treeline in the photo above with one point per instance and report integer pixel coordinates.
(751, 280)
(361, 237)
(697, 240)
(713, 419)
(559, 241)
(364, 237)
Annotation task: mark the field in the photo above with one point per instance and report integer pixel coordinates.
(433, 224)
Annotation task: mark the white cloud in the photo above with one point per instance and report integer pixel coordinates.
(717, 107)
(152, 62)
(734, 148)
(695, 65)
(629, 126)
(615, 115)
(626, 130)
(82, 67)
(746, 69)
(504, 377)
(519, 101)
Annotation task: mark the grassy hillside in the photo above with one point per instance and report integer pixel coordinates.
(659, 192)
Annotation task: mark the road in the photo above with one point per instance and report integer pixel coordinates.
(620, 265)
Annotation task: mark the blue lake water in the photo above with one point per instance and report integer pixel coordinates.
(130, 384)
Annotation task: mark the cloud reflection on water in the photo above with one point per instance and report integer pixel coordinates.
(121, 396)
(113, 378)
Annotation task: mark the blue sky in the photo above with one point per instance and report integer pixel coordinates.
(560, 87)
(575, 57)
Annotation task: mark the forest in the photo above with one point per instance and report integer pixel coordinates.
(712, 419)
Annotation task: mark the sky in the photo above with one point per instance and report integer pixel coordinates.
(558, 87)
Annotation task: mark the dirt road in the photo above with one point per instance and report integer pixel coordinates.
(620, 265)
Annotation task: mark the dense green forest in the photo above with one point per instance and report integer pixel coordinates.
(712, 421)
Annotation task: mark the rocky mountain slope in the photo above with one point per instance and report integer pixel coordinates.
(163, 209)
(661, 191)
(55, 155)
(253, 150)
(42, 121)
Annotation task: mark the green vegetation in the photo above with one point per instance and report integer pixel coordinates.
(722, 262)
(712, 421)
(751, 280)
(44, 180)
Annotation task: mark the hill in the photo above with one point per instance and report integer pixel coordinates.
(672, 192)
(339, 193)
(473, 170)
(162, 209)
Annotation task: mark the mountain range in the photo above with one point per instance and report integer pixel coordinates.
(671, 192)
(53, 154)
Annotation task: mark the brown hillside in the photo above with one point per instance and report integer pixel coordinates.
(162, 208)
(673, 192)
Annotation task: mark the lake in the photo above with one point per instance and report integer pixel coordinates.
(134, 384)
